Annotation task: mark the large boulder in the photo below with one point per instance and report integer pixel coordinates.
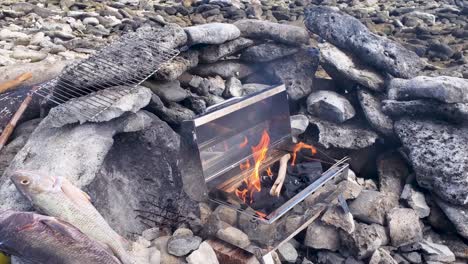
(348, 33)
(437, 151)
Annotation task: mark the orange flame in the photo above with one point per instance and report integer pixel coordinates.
(269, 173)
(260, 214)
(253, 181)
(300, 146)
(244, 143)
(245, 166)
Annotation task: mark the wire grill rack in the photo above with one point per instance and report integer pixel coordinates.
(127, 62)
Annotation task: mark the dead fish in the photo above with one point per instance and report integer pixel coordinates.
(43, 239)
(56, 196)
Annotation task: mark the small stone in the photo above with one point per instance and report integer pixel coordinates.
(226, 214)
(182, 245)
(371, 207)
(224, 68)
(144, 242)
(167, 91)
(322, 236)
(172, 70)
(382, 256)
(183, 232)
(151, 234)
(330, 106)
(155, 257)
(234, 236)
(91, 21)
(436, 252)
(37, 38)
(413, 257)
(6, 34)
(213, 53)
(165, 257)
(212, 33)
(365, 240)
(299, 124)
(267, 52)
(404, 227)
(416, 201)
(372, 108)
(204, 255)
(233, 88)
(287, 253)
(282, 33)
(250, 88)
(27, 54)
(335, 216)
(327, 257)
(393, 171)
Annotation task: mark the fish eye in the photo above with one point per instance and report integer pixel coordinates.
(24, 182)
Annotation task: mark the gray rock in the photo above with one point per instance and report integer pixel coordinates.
(267, 52)
(212, 33)
(413, 257)
(458, 215)
(196, 103)
(436, 153)
(442, 88)
(226, 214)
(173, 113)
(436, 252)
(170, 36)
(335, 216)
(457, 113)
(352, 260)
(167, 91)
(416, 201)
(213, 53)
(150, 234)
(365, 240)
(250, 88)
(182, 232)
(233, 88)
(296, 72)
(348, 33)
(299, 124)
(27, 54)
(165, 257)
(404, 226)
(322, 236)
(372, 207)
(372, 108)
(91, 21)
(330, 106)
(225, 69)
(382, 256)
(346, 136)
(6, 34)
(204, 255)
(393, 171)
(287, 253)
(345, 67)
(182, 245)
(172, 70)
(282, 33)
(234, 236)
(327, 257)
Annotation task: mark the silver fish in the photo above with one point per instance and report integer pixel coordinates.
(56, 196)
(43, 239)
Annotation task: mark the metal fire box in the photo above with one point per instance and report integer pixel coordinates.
(215, 148)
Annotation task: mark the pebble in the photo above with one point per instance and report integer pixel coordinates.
(204, 255)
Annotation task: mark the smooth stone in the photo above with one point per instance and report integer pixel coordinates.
(343, 66)
(6, 34)
(365, 240)
(91, 21)
(437, 153)
(442, 88)
(174, 114)
(348, 33)
(372, 108)
(299, 124)
(233, 88)
(259, 29)
(267, 52)
(322, 236)
(456, 113)
(203, 255)
(167, 91)
(225, 69)
(346, 136)
(287, 253)
(250, 88)
(213, 53)
(150, 234)
(234, 236)
(371, 207)
(183, 232)
(212, 33)
(27, 54)
(416, 201)
(404, 227)
(182, 245)
(165, 257)
(330, 106)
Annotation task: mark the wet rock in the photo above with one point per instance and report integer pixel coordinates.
(457, 113)
(267, 52)
(167, 91)
(345, 67)
(346, 136)
(204, 255)
(172, 70)
(330, 106)
(322, 236)
(393, 171)
(327, 257)
(173, 113)
(258, 29)
(213, 53)
(296, 72)
(442, 88)
(436, 252)
(365, 240)
(371, 207)
(340, 30)
(212, 33)
(287, 253)
(404, 226)
(382, 256)
(234, 236)
(458, 215)
(181, 245)
(299, 124)
(371, 105)
(335, 216)
(225, 69)
(416, 201)
(233, 88)
(435, 150)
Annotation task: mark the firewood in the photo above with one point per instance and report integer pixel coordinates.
(8, 85)
(276, 188)
(229, 254)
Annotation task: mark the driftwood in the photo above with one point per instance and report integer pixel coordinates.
(11, 100)
(11, 84)
(276, 188)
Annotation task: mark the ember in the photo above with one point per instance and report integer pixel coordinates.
(298, 147)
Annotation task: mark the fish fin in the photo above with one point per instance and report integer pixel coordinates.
(74, 193)
(59, 226)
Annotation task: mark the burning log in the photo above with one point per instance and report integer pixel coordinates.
(276, 188)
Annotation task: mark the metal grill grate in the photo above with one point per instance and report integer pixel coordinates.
(127, 62)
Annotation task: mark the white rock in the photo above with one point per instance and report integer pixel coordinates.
(8, 34)
(150, 234)
(91, 21)
(37, 38)
(299, 124)
(436, 252)
(416, 200)
(203, 255)
(330, 106)
(287, 253)
(27, 54)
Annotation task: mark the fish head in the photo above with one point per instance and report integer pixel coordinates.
(31, 183)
